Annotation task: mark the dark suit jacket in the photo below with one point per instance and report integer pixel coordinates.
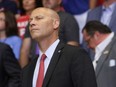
(70, 67)
(10, 75)
(96, 14)
(106, 67)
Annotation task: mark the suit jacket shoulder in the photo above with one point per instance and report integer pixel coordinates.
(95, 14)
(10, 70)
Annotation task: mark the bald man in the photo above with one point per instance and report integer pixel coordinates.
(64, 65)
(68, 32)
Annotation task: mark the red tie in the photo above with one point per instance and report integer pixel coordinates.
(41, 72)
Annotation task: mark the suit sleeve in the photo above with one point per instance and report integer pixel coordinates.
(11, 68)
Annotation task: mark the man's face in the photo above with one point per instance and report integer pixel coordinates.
(29, 4)
(52, 4)
(41, 25)
(90, 40)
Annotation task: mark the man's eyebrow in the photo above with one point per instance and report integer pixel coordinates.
(38, 16)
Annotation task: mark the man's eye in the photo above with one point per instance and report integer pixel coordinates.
(36, 19)
(39, 18)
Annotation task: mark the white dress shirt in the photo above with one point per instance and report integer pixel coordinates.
(107, 14)
(100, 48)
(49, 54)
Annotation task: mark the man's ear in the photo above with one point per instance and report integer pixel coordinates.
(56, 24)
(96, 35)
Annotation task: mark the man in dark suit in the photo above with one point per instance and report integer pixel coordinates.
(9, 68)
(100, 38)
(65, 65)
(68, 32)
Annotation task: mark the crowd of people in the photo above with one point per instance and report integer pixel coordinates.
(57, 43)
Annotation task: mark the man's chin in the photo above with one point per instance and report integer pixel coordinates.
(34, 37)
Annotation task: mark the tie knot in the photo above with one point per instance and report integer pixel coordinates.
(43, 57)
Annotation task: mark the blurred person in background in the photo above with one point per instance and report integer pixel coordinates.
(102, 41)
(106, 14)
(68, 33)
(9, 31)
(10, 71)
(9, 5)
(26, 7)
(79, 9)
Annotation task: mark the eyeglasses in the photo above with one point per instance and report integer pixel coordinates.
(88, 40)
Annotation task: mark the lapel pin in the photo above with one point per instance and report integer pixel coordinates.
(59, 51)
(106, 52)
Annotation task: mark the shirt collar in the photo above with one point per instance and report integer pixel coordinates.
(104, 43)
(49, 52)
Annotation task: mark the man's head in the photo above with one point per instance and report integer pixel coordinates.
(52, 4)
(94, 32)
(44, 24)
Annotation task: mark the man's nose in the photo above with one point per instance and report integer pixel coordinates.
(32, 23)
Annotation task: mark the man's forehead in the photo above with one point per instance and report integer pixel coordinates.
(37, 15)
(39, 12)
(44, 12)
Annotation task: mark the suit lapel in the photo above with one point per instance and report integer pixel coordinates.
(53, 64)
(104, 55)
(31, 72)
(101, 60)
